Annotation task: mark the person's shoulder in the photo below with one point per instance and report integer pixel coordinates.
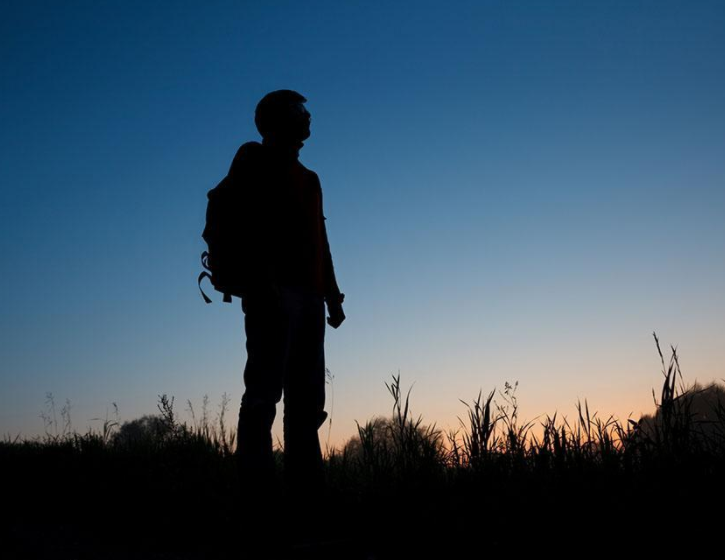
(249, 150)
(250, 147)
(248, 153)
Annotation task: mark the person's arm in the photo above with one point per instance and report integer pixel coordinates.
(332, 291)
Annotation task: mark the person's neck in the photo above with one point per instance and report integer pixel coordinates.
(283, 149)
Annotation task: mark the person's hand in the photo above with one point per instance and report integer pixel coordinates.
(337, 315)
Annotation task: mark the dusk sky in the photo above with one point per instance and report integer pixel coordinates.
(514, 191)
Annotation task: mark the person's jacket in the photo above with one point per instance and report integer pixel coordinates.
(281, 220)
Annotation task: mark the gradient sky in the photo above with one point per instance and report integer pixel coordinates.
(515, 191)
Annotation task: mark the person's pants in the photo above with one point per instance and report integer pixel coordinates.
(285, 353)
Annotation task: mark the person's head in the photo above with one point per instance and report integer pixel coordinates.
(281, 116)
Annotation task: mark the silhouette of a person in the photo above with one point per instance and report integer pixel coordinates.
(290, 278)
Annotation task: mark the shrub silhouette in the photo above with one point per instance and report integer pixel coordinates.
(147, 431)
(394, 448)
(702, 415)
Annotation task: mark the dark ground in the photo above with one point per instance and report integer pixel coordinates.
(62, 506)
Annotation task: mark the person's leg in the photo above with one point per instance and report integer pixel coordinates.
(304, 398)
(267, 332)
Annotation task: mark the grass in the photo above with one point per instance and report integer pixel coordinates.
(397, 486)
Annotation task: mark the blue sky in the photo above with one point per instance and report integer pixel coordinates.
(515, 191)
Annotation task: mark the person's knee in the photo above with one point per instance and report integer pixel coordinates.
(261, 398)
(259, 410)
(306, 418)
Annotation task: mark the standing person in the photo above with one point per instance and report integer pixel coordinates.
(290, 277)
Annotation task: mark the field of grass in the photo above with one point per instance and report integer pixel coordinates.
(159, 488)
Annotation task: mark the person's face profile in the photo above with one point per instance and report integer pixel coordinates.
(291, 124)
(299, 120)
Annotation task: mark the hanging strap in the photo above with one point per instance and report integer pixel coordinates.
(201, 277)
(205, 274)
(204, 263)
(227, 295)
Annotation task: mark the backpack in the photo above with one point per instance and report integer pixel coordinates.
(224, 261)
(220, 268)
